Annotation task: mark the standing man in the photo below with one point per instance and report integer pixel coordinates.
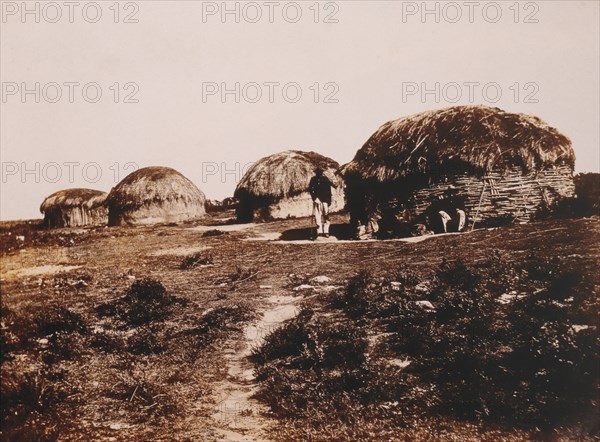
(320, 191)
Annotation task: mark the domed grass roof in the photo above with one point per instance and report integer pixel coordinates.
(473, 139)
(153, 185)
(285, 174)
(68, 198)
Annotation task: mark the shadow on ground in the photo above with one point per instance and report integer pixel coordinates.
(339, 231)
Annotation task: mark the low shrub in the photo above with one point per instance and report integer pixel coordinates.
(145, 301)
(58, 319)
(215, 323)
(73, 281)
(286, 341)
(147, 340)
(44, 334)
(497, 341)
(28, 405)
(366, 297)
(239, 275)
(213, 232)
(64, 330)
(9, 340)
(195, 260)
(359, 293)
(143, 393)
(504, 349)
(63, 346)
(310, 368)
(107, 342)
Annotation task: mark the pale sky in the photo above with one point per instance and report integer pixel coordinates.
(375, 51)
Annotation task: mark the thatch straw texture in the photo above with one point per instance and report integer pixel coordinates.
(154, 195)
(75, 207)
(473, 139)
(275, 187)
(522, 162)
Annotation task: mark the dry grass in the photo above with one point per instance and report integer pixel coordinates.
(111, 378)
(479, 366)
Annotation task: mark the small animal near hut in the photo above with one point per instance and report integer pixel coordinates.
(75, 208)
(154, 195)
(276, 187)
(497, 166)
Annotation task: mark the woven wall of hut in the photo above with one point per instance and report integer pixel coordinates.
(75, 217)
(510, 194)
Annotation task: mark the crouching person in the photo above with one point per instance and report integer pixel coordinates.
(458, 221)
(445, 219)
(461, 220)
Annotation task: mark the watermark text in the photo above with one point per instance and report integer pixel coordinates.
(69, 92)
(67, 172)
(469, 91)
(270, 12)
(69, 12)
(470, 12)
(269, 92)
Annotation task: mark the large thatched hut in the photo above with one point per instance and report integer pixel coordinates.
(496, 165)
(154, 195)
(75, 208)
(276, 187)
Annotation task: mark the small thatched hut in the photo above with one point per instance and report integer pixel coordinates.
(498, 166)
(153, 195)
(276, 187)
(74, 208)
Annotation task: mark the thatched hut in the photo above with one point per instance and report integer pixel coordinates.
(498, 166)
(276, 187)
(154, 195)
(75, 208)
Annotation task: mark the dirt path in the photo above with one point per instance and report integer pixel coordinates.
(38, 271)
(239, 417)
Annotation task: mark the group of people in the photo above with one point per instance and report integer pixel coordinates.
(446, 214)
(453, 224)
(393, 219)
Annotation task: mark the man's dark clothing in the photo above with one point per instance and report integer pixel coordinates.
(320, 187)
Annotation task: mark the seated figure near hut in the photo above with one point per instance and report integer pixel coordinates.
(368, 230)
(277, 186)
(75, 208)
(365, 213)
(503, 164)
(395, 220)
(154, 195)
